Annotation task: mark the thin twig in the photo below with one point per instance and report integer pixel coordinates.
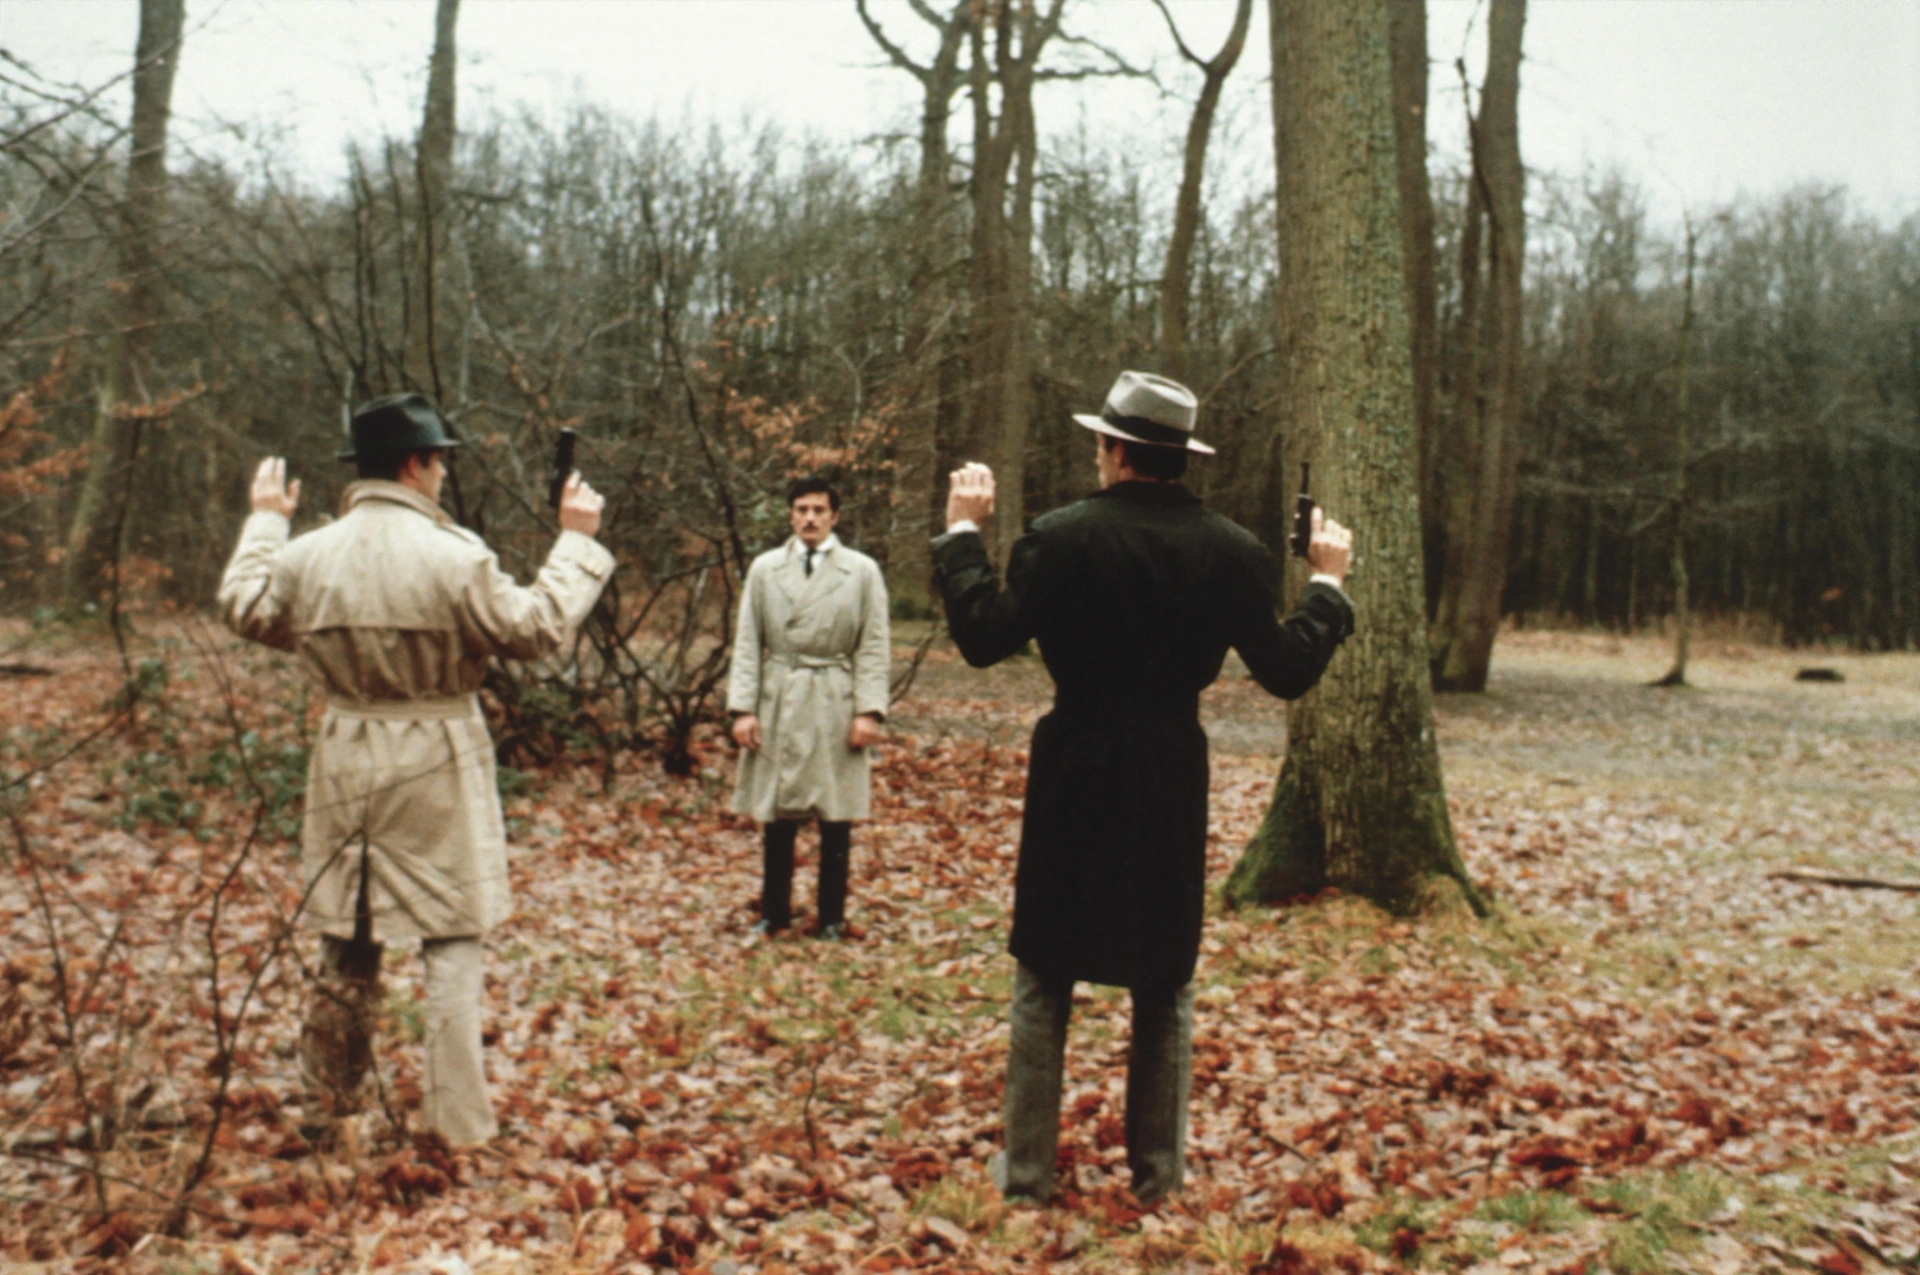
(1851, 883)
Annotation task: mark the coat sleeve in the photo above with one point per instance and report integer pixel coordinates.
(743, 681)
(255, 598)
(988, 623)
(871, 686)
(1286, 658)
(503, 618)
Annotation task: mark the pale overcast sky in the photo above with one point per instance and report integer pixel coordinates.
(1701, 100)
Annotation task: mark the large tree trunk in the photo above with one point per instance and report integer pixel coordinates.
(434, 160)
(926, 350)
(1487, 401)
(1407, 51)
(1360, 804)
(1175, 279)
(115, 435)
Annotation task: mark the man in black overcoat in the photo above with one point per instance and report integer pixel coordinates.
(1134, 596)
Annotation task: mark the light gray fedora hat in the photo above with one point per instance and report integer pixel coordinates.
(1144, 408)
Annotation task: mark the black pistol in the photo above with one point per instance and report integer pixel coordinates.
(1302, 517)
(562, 466)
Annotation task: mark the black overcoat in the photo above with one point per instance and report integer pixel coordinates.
(1134, 595)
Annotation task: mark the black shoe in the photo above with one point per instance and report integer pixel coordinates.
(765, 929)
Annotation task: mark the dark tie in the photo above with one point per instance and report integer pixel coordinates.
(810, 554)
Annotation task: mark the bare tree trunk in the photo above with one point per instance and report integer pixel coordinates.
(1016, 383)
(1590, 577)
(1175, 279)
(919, 494)
(1682, 603)
(987, 269)
(130, 375)
(1360, 803)
(1459, 442)
(1004, 147)
(434, 160)
(1481, 523)
(1407, 49)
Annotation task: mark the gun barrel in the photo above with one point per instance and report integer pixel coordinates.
(562, 466)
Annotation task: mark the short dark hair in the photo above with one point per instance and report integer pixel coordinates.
(813, 485)
(1149, 461)
(388, 465)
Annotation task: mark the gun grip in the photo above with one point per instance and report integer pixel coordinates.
(1302, 524)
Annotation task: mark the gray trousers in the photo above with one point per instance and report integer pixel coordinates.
(1159, 1075)
(336, 1044)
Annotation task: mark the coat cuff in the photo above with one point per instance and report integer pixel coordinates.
(1322, 595)
(592, 557)
(266, 524)
(956, 552)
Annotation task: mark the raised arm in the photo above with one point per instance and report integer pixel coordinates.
(988, 623)
(503, 618)
(1287, 658)
(253, 598)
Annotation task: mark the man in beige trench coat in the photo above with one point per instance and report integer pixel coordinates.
(808, 691)
(397, 611)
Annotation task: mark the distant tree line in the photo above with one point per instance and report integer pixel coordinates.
(1803, 428)
(715, 310)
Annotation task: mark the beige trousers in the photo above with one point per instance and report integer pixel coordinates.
(336, 1044)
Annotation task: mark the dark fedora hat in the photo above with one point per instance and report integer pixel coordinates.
(395, 424)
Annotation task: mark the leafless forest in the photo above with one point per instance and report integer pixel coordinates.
(716, 310)
(1581, 416)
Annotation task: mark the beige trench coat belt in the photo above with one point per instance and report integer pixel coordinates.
(449, 709)
(811, 662)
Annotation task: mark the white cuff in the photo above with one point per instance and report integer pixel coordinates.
(269, 522)
(965, 524)
(1321, 577)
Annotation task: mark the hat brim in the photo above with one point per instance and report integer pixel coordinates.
(349, 453)
(1099, 426)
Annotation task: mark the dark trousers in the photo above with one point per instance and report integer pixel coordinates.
(776, 859)
(1159, 1071)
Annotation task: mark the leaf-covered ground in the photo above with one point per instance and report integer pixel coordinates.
(1654, 1057)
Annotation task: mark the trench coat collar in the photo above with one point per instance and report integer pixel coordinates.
(394, 493)
(796, 554)
(793, 577)
(1149, 492)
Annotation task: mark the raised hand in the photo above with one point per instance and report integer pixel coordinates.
(1330, 552)
(271, 492)
(580, 506)
(970, 494)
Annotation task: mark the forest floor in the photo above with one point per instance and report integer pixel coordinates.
(1654, 1056)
